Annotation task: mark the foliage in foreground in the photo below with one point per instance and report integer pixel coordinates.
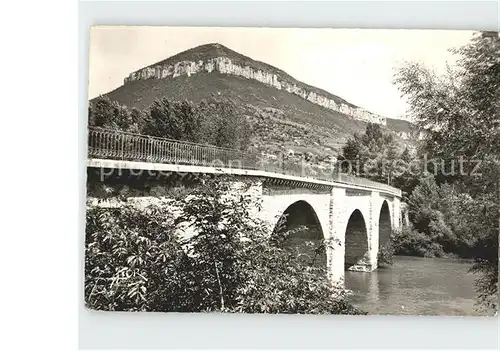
(137, 261)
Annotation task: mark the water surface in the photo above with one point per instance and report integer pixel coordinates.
(416, 286)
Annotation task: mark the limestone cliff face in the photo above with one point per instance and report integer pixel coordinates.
(224, 65)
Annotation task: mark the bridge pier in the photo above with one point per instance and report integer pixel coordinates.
(336, 251)
(373, 229)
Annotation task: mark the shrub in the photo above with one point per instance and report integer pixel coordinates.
(132, 260)
(137, 261)
(486, 285)
(451, 220)
(409, 241)
(386, 254)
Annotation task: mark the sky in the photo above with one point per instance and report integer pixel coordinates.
(355, 64)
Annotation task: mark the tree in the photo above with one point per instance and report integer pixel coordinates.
(444, 215)
(201, 252)
(213, 121)
(374, 155)
(459, 110)
(172, 120)
(460, 115)
(406, 172)
(223, 123)
(109, 114)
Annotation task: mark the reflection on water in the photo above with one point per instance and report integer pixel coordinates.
(415, 286)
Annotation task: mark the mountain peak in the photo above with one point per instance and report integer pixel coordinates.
(202, 52)
(213, 68)
(214, 57)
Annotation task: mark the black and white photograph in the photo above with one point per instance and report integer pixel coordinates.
(292, 171)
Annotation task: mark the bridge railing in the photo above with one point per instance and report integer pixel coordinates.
(105, 143)
(119, 145)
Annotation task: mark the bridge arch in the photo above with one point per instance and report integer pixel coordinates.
(302, 219)
(385, 224)
(356, 242)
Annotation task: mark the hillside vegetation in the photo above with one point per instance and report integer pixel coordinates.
(281, 121)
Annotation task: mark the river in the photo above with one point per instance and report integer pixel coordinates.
(415, 286)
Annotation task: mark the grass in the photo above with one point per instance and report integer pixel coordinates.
(142, 93)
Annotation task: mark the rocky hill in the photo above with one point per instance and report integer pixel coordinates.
(288, 115)
(217, 58)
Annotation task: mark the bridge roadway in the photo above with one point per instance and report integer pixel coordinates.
(357, 215)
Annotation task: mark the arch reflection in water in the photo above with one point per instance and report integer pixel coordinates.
(356, 243)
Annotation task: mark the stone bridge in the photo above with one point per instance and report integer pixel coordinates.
(356, 216)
